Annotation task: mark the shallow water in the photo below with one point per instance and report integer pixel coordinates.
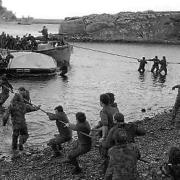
(91, 74)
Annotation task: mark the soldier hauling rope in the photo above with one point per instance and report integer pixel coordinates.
(118, 139)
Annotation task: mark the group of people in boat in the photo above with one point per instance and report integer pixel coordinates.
(158, 65)
(27, 42)
(117, 145)
(5, 57)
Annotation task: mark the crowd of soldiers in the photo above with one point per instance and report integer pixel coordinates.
(155, 67)
(27, 42)
(117, 145)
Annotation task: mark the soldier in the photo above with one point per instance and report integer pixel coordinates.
(17, 109)
(119, 125)
(123, 159)
(6, 87)
(177, 102)
(44, 32)
(63, 68)
(106, 115)
(155, 65)
(112, 99)
(25, 95)
(8, 57)
(65, 133)
(142, 64)
(163, 65)
(84, 141)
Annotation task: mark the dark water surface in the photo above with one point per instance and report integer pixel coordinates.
(91, 74)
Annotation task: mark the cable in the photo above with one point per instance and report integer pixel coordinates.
(130, 57)
(114, 54)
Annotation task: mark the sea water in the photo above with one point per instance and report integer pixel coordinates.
(92, 73)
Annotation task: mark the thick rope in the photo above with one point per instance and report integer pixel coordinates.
(114, 54)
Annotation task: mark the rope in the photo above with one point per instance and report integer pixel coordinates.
(130, 57)
(114, 54)
(46, 112)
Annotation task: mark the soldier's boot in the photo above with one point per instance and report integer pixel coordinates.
(59, 147)
(56, 152)
(21, 148)
(14, 142)
(77, 170)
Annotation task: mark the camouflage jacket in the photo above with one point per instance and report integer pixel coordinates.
(123, 163)
(17, 112)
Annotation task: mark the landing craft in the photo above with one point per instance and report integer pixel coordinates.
(31, 64)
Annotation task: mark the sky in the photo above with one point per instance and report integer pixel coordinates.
(59, 9)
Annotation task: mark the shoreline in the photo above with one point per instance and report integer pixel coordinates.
(85, 40)
(154, 146)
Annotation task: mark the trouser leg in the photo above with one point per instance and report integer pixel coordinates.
(80, 150)
(15, 139)
(24, 135)
(152, 69)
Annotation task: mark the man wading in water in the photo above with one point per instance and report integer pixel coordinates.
(142, 64)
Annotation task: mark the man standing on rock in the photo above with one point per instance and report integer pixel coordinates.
(65, 133)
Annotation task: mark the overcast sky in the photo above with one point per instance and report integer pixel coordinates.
(59, 9)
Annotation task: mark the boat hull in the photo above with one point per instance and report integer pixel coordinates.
(59, 53)
(20, 72)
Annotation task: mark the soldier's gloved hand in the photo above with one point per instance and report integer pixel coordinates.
(48, 113)
(101, 140)
(67, 125)
(38, 107)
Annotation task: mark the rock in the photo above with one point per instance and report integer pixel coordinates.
(146, 26)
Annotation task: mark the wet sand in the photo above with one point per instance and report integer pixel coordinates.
(36, 164)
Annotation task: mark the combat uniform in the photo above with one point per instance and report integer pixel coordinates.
(122, 163)
(65, 133)
(17, 110)
(142, 65)
(163, 66)
(5, 91)
(131, 129)
(155, 65)
(84, 142)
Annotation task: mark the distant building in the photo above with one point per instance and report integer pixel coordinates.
(0, 2)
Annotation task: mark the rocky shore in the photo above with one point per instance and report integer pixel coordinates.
(37, 164)
(146, 27)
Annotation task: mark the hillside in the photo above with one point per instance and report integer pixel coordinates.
(6, 15)
(148, 26)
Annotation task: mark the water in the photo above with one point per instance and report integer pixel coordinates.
(91, 74)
